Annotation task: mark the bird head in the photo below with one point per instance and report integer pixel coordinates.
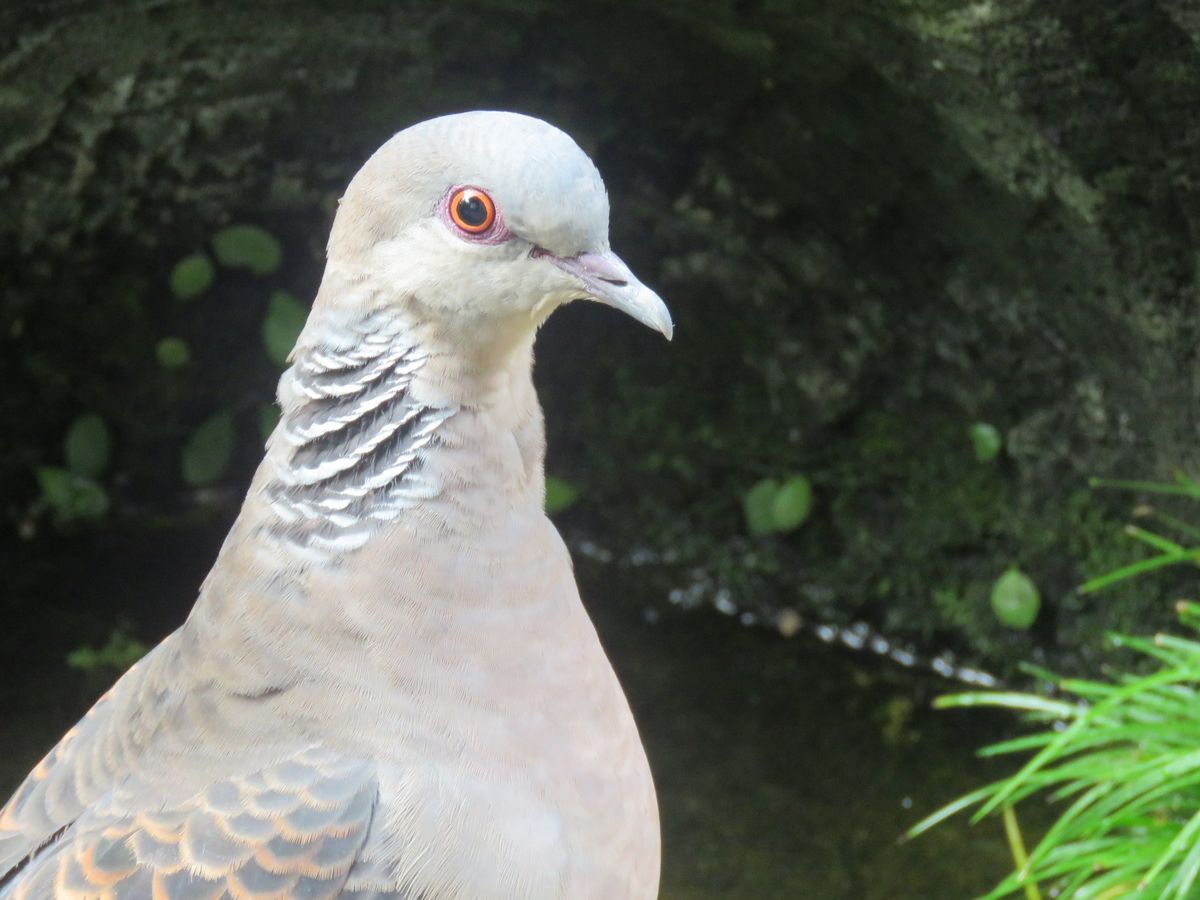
(485, 223)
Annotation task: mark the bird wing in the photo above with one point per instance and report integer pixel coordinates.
(292, 829)
(133, 802)
(86, 763)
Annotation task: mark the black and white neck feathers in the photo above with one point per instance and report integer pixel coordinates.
(347, 453)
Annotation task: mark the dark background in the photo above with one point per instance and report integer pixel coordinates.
(877, 224)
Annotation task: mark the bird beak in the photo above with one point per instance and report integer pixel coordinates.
(607, 280)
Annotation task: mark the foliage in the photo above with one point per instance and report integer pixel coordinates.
(88, 446)
(1036, 288)
(173, 353)
(1015, 599)
(70, 497)
(792, 504)
(281, 326)
(121, 652)
(73, 493)
(1169, 552)
(986, 440)
(207, 452)
(169, 395)
(772, 506)
(560, 494)
(191, 276)
(247, 247)
(1121, 753)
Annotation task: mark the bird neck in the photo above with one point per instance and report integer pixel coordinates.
(380, 416)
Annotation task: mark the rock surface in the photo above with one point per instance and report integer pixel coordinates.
(876, 227)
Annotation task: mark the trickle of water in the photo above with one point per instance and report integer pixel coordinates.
(860, 636)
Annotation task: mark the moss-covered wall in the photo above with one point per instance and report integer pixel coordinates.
(876, 223)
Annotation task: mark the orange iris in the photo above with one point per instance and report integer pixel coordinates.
(472, 210)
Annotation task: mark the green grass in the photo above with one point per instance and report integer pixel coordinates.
(1118, 756)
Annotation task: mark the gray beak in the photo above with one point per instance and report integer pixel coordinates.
(607, 280)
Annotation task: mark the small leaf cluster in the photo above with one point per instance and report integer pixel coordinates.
(73, 491)
(776, 505)
(78, 488)
(208, 450)
(118, 654)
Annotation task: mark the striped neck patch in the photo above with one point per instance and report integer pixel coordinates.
(352, 439)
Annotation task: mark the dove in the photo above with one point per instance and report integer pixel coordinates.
(388, 686)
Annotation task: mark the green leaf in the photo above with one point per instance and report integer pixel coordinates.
(71, 497)
(792, 503)
(192, 276)
(88, 446)
(55, 483)
(173, 353)
(268, 418)
(758, 504)
(282, 325)
(560, 494)
(986, 440)
(247, 247)
(207, 452)
(1015, 599)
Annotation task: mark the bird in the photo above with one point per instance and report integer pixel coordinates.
(388, 686)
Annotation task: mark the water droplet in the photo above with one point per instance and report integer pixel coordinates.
(852, 639)
(904, 657)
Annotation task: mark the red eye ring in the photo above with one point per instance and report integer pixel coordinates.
(472, 211)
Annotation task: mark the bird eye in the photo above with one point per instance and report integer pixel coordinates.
(472, 210)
